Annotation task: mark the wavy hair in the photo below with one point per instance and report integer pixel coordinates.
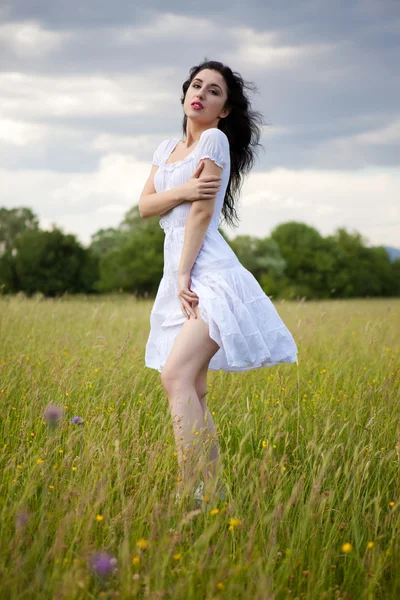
(241, 126)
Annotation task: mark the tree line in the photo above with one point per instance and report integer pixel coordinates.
(294, 261)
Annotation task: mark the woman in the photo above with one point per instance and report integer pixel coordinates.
(210, 313)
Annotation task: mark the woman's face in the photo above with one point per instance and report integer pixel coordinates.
(208, 88)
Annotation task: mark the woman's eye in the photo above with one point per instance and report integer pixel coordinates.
(196, 84)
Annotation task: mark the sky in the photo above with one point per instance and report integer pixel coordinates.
(88, 91)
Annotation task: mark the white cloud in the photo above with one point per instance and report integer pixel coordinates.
(365, 200)
(24, 133)
(384, 135)
(44, 96)
(82, 203)
(263, 50)
(20, 133)
(28, 39)
(110, 143)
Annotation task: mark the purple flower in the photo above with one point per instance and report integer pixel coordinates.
(77, 420)
(102, 564)
(53, 414)
(21, 518)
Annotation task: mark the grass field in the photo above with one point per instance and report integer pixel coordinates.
(311, 457)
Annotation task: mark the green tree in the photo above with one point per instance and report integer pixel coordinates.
(360, 271)
(137, 264)
(309, 259)
(49, 262)
(107, 240)
(259, 255)
(13, 222)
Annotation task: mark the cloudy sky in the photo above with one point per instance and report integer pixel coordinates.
(88, 91)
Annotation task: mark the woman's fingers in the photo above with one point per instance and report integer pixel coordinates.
(187, 308)
(191, 296)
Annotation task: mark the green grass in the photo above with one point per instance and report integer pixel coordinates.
(311, 456)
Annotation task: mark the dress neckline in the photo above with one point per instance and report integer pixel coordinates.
(177, 162)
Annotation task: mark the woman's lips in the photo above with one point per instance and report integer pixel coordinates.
(197, 106)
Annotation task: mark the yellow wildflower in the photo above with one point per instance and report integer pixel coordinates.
(234, 523)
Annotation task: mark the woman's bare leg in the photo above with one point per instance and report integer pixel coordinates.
(213, 464)
(192, 348)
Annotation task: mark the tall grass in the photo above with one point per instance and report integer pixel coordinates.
(311, 458)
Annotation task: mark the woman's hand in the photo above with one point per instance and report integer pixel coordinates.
(200, 188)
(186, 296)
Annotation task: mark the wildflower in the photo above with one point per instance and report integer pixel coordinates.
(346, 547)
(391, 503)
(233, 523)
(21, 518)
(177, 556)
(53, 414)
(370, 545)
(142, 543)
(99, 518)
(220, 585)
(214, 511)
(264, 444)
(77, 420)
(40, 461)
(102, 564)
(135, 560)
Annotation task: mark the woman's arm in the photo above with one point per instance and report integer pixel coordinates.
(152, 203)
(195, 230)
(197, 223)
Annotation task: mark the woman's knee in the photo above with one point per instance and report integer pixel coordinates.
(173, 379)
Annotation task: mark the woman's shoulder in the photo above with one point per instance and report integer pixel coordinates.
(216, 133)
(214, 137)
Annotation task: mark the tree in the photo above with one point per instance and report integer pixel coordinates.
(309, 258)
(13, 222)
(361, 271)
(259, 255)
(137, 264)
(107, 240)
(49, 262)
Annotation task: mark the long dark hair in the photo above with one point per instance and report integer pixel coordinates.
(241, 127)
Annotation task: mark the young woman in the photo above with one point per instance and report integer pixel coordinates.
(209, 313)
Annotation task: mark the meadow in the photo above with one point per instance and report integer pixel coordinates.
(311, 458)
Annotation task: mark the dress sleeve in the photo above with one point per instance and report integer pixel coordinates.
(159, 153)
(215, 145)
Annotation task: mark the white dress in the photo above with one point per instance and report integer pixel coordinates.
(242, 319)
